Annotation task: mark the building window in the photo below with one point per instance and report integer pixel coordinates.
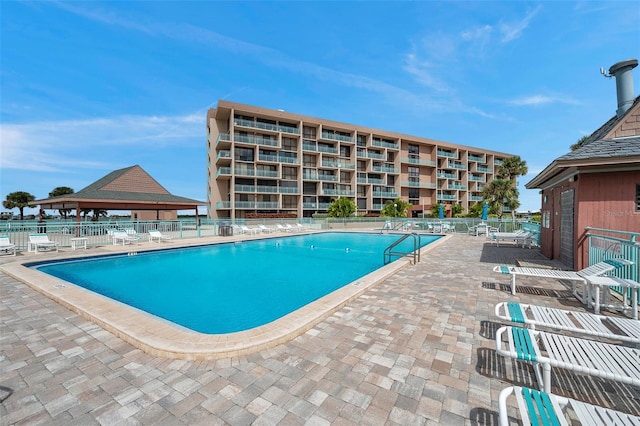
(414, 149)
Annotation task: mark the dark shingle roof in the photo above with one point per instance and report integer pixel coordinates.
(605, 148)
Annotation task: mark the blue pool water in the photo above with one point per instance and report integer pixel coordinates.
(232, 287)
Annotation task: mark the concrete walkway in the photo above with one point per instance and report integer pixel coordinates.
(416, 349)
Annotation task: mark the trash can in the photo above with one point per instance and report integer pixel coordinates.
(225, 229)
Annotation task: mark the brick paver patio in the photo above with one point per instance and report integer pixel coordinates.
(416, 349)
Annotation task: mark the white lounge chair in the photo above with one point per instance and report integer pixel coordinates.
(520, 237)
(546, 350)
(537, 407)
(154, 234)
(251, 231)
(266, 230)
(123, 237)
(42, 242)
(599, 268)
(300, 227)
(6, 246)
(281, 228)
(622, 329)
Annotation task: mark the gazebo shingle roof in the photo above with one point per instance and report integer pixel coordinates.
(131, 188)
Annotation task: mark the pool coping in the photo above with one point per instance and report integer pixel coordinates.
(161, 338)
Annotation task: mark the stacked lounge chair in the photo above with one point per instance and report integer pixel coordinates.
(599, 268)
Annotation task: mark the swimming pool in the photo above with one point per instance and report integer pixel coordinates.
(226, 288)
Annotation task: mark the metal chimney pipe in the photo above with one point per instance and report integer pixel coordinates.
(624, 84)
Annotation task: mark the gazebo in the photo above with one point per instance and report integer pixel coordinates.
(131, 188)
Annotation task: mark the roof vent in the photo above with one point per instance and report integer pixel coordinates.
(624, 83)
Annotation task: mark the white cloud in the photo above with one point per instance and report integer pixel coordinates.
(424, 72)
(533, 100)
(60, 145)
(512, 31)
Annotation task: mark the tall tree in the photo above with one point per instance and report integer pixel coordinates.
(59, 191)
(341, 207)
(19, 199)
(509, 171)
(500, 193)
(395, 208)
(511, 168)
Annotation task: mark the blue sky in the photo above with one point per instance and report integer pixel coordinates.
(91, 87)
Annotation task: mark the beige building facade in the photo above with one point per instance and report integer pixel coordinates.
(272, 163)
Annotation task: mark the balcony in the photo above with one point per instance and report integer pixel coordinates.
(309, 147)
(328, 178)
(476, 158)
(443, 175)
(255, 124)
(223, 137)
(327, 149)
(418, 161)
(475, 198)
(385, 194)
(223, 171)
(267, 189)
(336, 136)
(242, 171)
(454, 165)
(375, 156)
(446, 154)
(413, 184)
(267, 173)
(224, 154)
(289, 159)
(244, 188)
(386, 169)
(271, 158)
(289, 129)
(484, 169)
(456, 186)
(339, 192)
(383, 144)
(289, 190)
(447, 197)
(477, 178)
(309, 176)
(253, 140)
(220, 205)
(497, 162)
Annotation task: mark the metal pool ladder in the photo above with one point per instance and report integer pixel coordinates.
(388, 252)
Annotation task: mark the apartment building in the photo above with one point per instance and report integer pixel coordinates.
(272, 163)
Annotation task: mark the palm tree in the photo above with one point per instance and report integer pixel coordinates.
(511, 168)
(509, 171)
(500, 193)
(59, 191)
(19, 199)
(395, 208)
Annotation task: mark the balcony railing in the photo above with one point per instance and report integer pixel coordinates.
(456, 186)
(289, 160)
(446, 154)
(267, 173)
(255, 124)
(475, 158)
(447, 197)
(289, 190)
(384, 144)
(418, 161)
(458, 166)
(223, 137)
(223, 205)
(385, 194)
(336, 137)
(375, 155)
(251, 139)
(272, 158)
(413, 184)
(485, 169)
(309, 146)
(223, 154)
(477, 178)
(475, 198)
(223, 171)
(443, 175)
(340, 192)
(329, 178)
(387, 169)
(327, 149)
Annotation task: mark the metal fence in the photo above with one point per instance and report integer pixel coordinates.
(607, 243)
